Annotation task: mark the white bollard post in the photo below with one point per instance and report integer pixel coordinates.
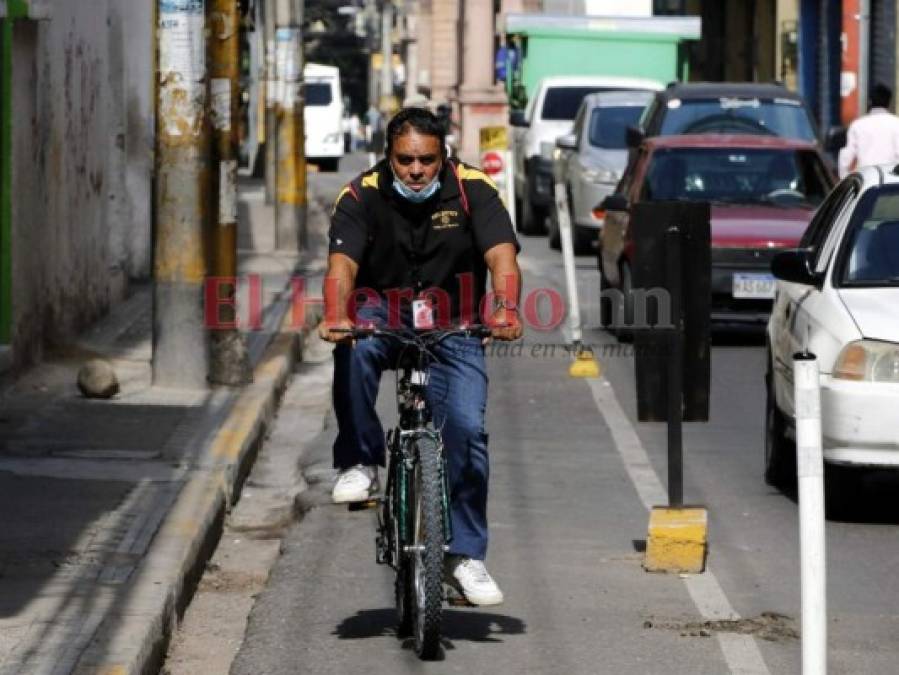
(564, 216)
(810, 472)
(509, 160)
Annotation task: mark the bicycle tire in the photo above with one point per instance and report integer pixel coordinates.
(403, 590)
(428, 540)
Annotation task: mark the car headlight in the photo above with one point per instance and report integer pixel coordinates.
(869, 361)
(332, 138)
(605, 176)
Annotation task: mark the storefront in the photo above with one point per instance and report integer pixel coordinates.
(845, 47)
(882, 33)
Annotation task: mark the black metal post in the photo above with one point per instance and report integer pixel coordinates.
(673, 243)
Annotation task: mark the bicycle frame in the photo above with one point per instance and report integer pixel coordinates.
(414, 423)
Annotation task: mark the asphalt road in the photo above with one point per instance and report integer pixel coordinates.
(567, 526)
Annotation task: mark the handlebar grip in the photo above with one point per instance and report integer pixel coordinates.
(356, 332)
(479, 331)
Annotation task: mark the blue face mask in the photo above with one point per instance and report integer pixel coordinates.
(411, 195)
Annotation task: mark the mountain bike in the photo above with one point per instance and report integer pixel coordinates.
(414, 527)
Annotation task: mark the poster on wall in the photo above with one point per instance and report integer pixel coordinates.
(182, 40)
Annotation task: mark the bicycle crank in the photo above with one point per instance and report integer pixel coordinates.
(418, 548)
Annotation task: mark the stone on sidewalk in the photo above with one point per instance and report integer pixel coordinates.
(97, 379)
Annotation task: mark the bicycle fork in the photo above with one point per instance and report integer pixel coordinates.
(394, 521)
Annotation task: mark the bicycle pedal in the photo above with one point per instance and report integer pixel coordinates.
(455, 599)
(364, 506)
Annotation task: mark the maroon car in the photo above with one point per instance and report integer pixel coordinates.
(762, 190)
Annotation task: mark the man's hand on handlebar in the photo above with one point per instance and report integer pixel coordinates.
(505, 325)
(336, 331)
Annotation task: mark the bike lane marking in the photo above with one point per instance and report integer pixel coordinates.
(740, 651)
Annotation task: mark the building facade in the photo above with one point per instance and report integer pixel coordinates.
(835, 51)
(77, 155)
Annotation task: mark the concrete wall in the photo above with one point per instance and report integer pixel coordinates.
(83, 149)
(445, 37)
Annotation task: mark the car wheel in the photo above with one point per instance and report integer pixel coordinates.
(555, 232)
(532, 219)
(780, 452)
(583, 240)
(625, 331)
(605, 304)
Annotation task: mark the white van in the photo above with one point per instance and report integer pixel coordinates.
(323, 116)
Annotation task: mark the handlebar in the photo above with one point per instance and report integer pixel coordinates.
(409, 335)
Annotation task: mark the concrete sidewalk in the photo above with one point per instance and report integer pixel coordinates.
(111, 508)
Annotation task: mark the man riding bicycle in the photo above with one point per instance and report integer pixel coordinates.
(411, 241)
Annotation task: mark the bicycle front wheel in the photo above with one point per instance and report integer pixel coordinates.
(427, 546)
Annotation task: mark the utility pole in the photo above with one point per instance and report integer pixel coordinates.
(180, 356)
(371, 18)
(229, 360)
(290, 207)
(271, 107)
(411, 15)
(388, 100)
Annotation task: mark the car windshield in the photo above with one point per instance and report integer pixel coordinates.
(779, 177)
(773, 117)
(872, 250)
(318, 94)
(561, 103)
(608, 126)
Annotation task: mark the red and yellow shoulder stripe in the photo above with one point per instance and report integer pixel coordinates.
(466, 172)
(368, 181)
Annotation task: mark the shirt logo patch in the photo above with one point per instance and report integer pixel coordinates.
(444, 220)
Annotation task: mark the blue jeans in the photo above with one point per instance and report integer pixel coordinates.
(457, 394)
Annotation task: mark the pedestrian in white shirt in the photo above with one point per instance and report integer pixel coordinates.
(872, 138)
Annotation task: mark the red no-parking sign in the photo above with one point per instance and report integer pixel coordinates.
(496, 161)
(493, 163)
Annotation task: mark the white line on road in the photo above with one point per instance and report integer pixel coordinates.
(740, 651)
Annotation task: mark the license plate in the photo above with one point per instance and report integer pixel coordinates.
(754, 286)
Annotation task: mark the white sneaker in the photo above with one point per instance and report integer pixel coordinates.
(470, 577)
(356, 484)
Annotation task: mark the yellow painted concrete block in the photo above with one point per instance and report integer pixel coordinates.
(114, 669)
(584, 366)
(677, 541)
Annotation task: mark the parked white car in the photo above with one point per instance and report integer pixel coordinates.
(595, 154)
(548, 115)
(838, 296)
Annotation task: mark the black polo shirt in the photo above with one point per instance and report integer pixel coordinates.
(404, 249)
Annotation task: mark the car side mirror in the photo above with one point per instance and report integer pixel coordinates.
(795, 265)
(835, 139)
(614, 202)
(634, 136)
(567, 142)
(517, 119)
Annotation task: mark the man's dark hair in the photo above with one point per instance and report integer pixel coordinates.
(420, 119)
(881, 95)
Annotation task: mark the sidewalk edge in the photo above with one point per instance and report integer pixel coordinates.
(132, 640)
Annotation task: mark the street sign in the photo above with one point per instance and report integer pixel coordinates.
(496, 161)
(653, 311)
(494, 138)
(493, 163)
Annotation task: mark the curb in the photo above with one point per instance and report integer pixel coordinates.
(133, 638)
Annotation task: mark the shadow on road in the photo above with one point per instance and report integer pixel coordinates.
(862, 496)
(470, 626)
(738, 337)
